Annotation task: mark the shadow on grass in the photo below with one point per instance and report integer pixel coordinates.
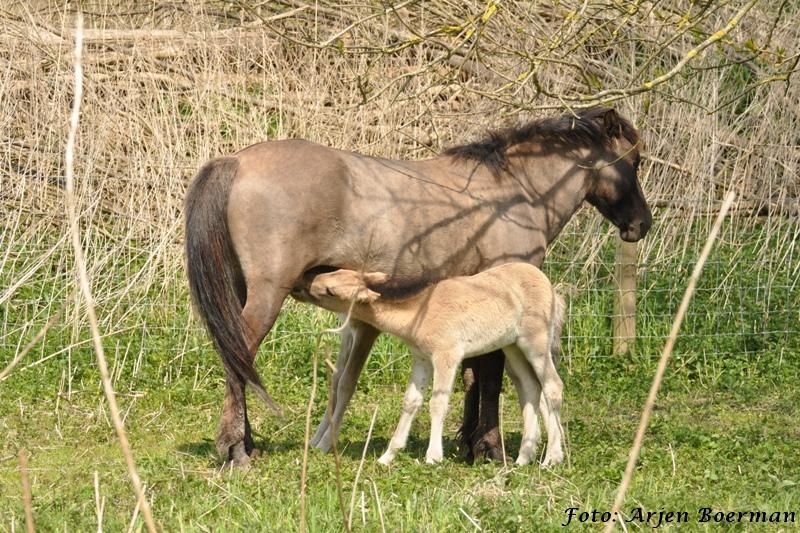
(415, 448)
(203, 449)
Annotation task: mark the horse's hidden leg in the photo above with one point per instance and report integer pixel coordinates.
(420, 375)
(364, 337)
(486, 439)
(234, 440)
(444, 373)
(469, 374)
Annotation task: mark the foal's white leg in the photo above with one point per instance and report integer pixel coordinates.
(537, 351)
(361, 338)
(529, 392)
(444, 373)
(420, 375)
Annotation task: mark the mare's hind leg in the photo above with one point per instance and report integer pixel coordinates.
(234, 441)
(344, 382)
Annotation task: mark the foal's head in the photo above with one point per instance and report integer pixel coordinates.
(335, 290)
(614, 185)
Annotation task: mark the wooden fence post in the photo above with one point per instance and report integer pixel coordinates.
(625, 297)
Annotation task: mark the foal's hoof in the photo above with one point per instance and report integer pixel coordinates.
(433, 459)
(553, 459)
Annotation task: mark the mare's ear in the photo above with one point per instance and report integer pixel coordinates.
(612, 124)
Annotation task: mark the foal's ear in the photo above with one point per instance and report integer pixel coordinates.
(612, 124)
(375, 278)
(365, 296)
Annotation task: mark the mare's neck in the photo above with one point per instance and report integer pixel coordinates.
(556, 182)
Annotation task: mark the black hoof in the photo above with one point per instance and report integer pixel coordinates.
(489, 451)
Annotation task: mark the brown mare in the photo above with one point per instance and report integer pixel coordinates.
(260, 221)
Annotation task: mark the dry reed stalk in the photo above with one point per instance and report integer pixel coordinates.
(304, 467)
(334, 429)
(27, 500)
(360, 467)
(378, 505)
(99, 502)
(83, 280)
(500, 429)
(633, 456)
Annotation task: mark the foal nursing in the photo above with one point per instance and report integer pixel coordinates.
(512, 307)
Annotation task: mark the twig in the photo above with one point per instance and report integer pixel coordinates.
(83, 280)
(26, 490)
(633, 456)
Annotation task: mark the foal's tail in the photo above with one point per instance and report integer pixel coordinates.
(215, 276)
(556, 325)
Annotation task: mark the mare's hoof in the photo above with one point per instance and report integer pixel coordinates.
(482, 450)
(238, 457)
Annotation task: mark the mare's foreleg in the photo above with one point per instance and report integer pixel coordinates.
(486, 438)
(345, 378)
(347, 336)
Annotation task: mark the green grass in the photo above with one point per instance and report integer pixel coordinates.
(708, 446)
(724, 434)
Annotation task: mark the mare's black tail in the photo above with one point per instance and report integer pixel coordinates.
(215, 276)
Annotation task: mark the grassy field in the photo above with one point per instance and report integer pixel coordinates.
(724, 435)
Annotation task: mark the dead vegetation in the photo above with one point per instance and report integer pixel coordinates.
(168, 85)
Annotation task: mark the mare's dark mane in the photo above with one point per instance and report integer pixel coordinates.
(587, 129)
(397, 289)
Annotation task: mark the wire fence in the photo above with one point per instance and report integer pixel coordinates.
(745, 305)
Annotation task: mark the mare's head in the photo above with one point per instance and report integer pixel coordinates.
(607, 147)
(613, 186)
(335, 290)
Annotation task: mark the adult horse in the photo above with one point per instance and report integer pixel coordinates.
(263, 219)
